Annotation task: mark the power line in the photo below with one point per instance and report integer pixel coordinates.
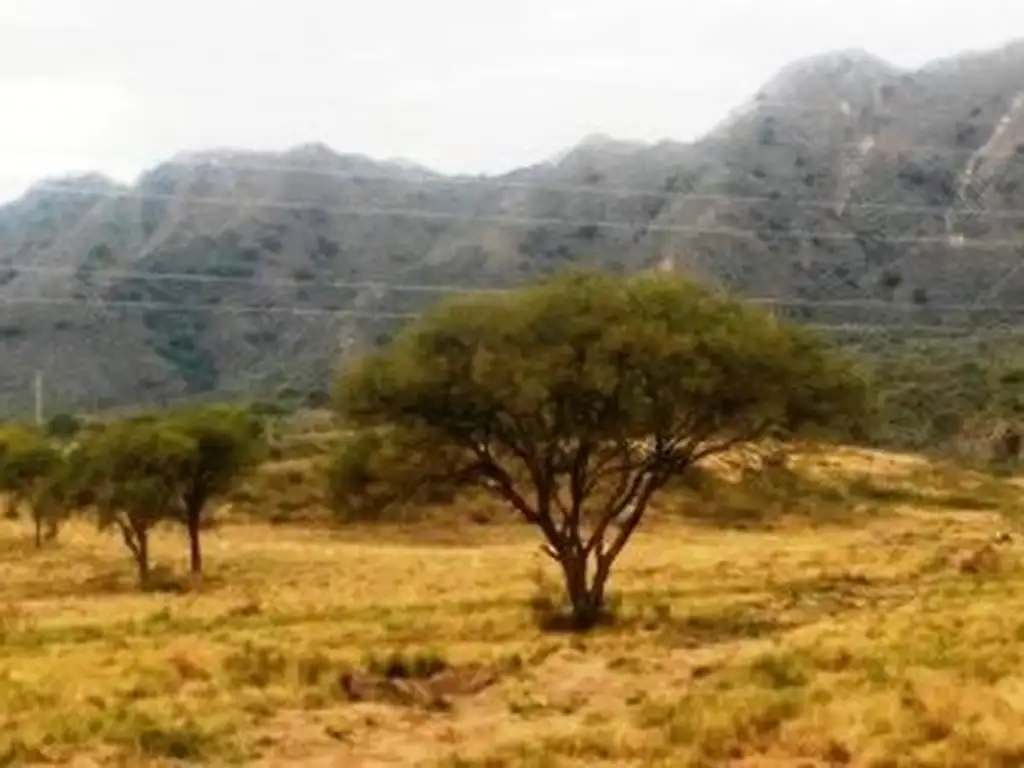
(207, 307)
(618, 192)
(955, 241)
(386, 286)
(880, 304)
(191, 277)
(610, 191)
(428, 175)
(855, 329)
(875, 304)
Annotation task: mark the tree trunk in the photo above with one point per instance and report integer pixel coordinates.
(586, 596)
(195, 549)
(142, 556)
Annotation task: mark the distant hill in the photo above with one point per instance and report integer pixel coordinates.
(844, 178)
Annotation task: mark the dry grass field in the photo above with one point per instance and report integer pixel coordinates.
(888, 635)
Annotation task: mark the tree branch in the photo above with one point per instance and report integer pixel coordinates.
(126, 534)
(627, 490)
(505, 488)
(754, 434)
(577, 482)
(654, 483)
(503, 485)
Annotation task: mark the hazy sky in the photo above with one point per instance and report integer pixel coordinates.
(460, 85)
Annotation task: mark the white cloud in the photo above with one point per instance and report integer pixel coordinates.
(56, 126)
(41, 12)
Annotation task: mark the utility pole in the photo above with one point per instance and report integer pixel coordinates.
(38, 388)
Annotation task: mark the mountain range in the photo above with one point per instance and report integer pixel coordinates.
(846, 190)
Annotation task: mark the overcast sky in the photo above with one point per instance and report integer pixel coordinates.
(460, 85)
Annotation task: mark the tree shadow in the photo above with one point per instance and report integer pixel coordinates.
(789, 605)
(725, 626)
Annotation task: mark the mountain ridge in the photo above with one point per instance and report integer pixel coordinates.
(228, 271)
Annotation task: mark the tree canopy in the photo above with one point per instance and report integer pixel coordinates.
(224, 442)
(576, 401)
(27, 462)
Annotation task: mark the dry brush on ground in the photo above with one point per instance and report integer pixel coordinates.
(862, 639)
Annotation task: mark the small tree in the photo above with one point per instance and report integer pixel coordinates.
(63, 425)
(26, 462)
(132, 472)
(579, 400)
(60, 493)
(225, 442)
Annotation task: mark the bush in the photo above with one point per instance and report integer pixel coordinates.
(63, 425)
(374, 473)
(29, 468)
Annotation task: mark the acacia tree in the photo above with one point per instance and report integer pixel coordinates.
(132, 474)
(225, 442)
(27, 462)
(578, 400)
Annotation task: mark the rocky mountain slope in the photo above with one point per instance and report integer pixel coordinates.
(843, 180)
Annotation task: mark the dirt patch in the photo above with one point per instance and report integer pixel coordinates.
(388, 721)
(434, 692)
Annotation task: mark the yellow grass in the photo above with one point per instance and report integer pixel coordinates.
(862, 644)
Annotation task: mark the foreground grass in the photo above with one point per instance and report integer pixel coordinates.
(862, 643)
